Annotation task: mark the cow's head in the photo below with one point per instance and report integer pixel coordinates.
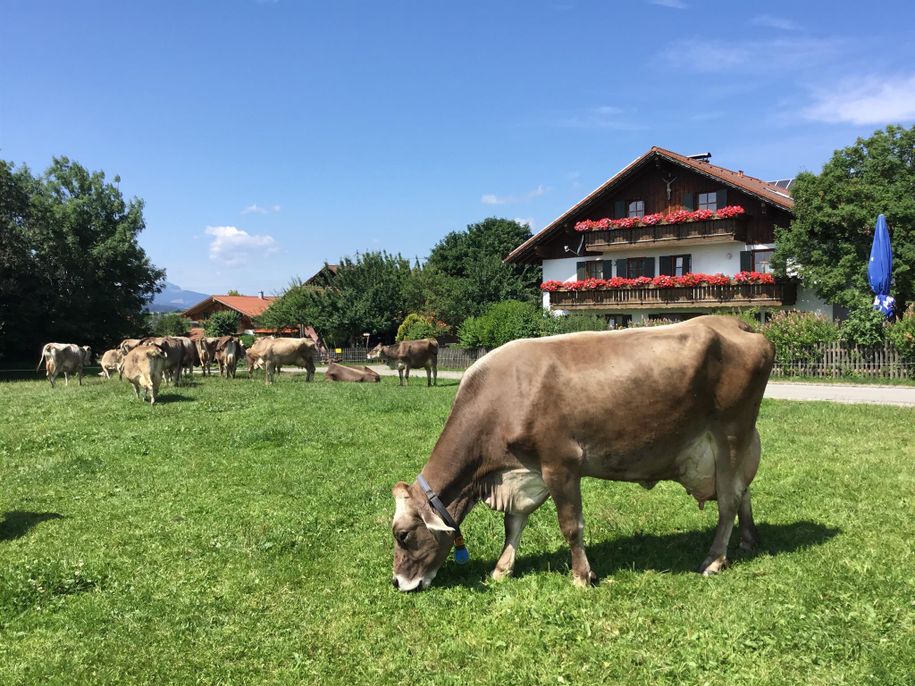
(375, 352)
(87, 354)
(422, 540)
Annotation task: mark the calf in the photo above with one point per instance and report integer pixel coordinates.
(534, 416)
(408, 355)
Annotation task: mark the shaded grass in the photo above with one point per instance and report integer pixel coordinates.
(240, 534)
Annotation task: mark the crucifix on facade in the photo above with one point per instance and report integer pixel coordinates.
(668, 181)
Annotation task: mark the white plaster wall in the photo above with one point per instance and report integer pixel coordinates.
(706, 259)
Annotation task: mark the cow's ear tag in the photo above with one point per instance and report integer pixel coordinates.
(461, 556)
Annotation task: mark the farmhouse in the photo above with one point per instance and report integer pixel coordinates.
(248, 306)
(670, 236)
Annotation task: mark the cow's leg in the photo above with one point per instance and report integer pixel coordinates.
(66, 378)
(565, 489)
(435, 372)
(268, 372)
(79, 376)
(749, 536)
(428, 374)
(514, 525)
(730, 487)
(136, 390)
(400, 373)
(309, 369)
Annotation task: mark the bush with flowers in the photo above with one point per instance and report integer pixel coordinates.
(662, 281)
(675, 217)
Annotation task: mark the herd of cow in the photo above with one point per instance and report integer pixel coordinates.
(145, 362)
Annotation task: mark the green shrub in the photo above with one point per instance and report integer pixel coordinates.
(645, 321)
(470, 334)
(797, 335)
(222, 323)
(416, 326)
(864, 326)
(503, 322)
(749, 316)
(171, 324)
(570, 323)
(247, 340)
(902, 335)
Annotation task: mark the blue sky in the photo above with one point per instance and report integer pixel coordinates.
(269, 136)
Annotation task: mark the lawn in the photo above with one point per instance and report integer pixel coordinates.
(239, 534)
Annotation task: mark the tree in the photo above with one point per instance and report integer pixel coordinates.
(232, 291)
(170, 324)
(465, 272)
(371, 294)
(223, 323)
(828, 243)
(72, 269)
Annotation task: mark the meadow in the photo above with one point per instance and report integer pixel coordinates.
(240, 534)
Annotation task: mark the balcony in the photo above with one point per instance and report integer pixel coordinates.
(680, 297)
(692, 233)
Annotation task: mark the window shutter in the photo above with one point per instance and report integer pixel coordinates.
(665, 265)
(746, 261)
(619, 209)
(689, 201)
(621, 268)
(608, 269)
(581, 271)
(648, 266)
(722, 199)
(687, 264)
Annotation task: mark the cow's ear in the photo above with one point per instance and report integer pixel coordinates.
(435, 523)
(401, 490)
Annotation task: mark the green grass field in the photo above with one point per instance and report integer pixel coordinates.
(239, 534)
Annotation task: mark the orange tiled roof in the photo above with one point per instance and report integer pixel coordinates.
(248, 305)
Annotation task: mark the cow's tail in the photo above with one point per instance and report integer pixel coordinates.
(42, 358)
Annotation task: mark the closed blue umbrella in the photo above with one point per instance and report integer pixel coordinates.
(880, 268)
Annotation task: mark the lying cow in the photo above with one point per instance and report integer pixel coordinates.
(277, 352)
(143, 367)
(110, 362)
(408, 355)
(338, 372)
(66, 359)
(534, 416)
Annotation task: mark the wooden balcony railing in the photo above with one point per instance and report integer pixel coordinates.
(680, 297)
(692, 233)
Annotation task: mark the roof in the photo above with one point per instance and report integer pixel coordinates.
(248, 305)
(328, 270)
(773, 193)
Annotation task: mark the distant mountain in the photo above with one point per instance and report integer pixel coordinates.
(173, 298)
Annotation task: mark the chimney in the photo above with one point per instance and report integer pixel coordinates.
(262, 295)
(740, 172)
(701, 157)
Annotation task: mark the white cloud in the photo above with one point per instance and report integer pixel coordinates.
(493, 199)
(234, 247)
(673, 4)
(758, 57)
(528, 221)
(866, 100)
(258, 209)
(772, 22)
(603, 117)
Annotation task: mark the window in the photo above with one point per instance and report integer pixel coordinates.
(761, 261)
(675, 265)
(594, 270)
(639, 266)
(637, 208)
(619, 321)
(708, 201)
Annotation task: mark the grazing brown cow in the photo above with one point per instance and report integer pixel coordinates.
(531, 418)
(66, 359)
(110, 362)
(338, 372)
(299, 352)
(253, 354)
(143, 367)
(408, 355)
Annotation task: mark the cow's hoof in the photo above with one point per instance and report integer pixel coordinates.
(713, 566)
(748, 545)
(501, 574)
(585, 581)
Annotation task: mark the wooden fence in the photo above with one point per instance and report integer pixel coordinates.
(448, 358)
(842, 360)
